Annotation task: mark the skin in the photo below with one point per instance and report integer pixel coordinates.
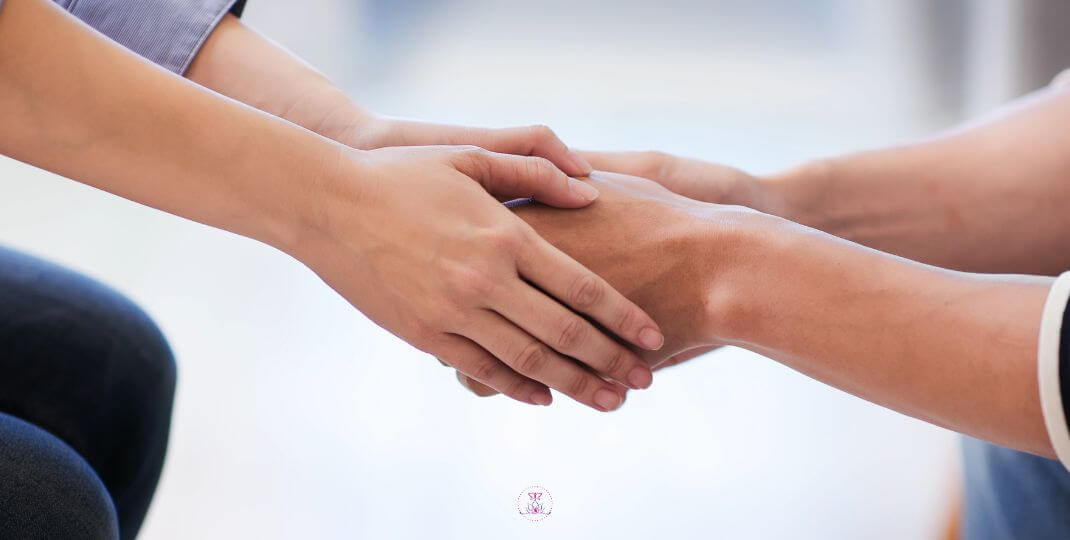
(241, 64)
(452, 272)
(867, 322)
(989, 196)
(955, 346)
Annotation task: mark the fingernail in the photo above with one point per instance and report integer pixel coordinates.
(608, 400)
(581, 163)
(640, 378)
(651, 339)
(583, 189)
(542, 398)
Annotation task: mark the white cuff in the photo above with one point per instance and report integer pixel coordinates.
(1062, 80)
(1051, 400)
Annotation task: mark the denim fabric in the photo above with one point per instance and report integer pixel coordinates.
(47, 490)
(83, 365)
(1012, 495)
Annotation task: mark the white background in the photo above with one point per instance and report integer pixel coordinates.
(298, 418)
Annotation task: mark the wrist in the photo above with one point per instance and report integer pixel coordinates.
(331, 194)
(329, 112)
(800, 194)
(737, 255)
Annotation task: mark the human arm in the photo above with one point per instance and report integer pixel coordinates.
(238, 62)
(206, 41)
(952, 348)
(409, 236)
(989, 196)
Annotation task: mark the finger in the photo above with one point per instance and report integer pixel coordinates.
(531, 358)
(475, 362)
(584, 292)
(483, 390)
(522, 176)
(524, 141)
(684, 356)
(648, 165)
(533, 141)
(475, 386)
(571, 335)
(621, 390)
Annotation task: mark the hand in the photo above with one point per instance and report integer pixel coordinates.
(368, 131)
(483, 390)
(429, 254)
(646, 241)
(692, 178)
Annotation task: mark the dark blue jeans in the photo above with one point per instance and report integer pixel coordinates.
(86, 386)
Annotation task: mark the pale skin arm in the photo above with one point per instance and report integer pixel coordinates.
(952, 348)
(987, 197)
(239, 63)
(409, 236)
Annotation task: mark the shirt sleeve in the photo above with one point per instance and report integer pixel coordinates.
(1053, 367)
(167, 32)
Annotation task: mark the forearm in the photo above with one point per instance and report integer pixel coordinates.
(990, 197)
(77, 104)
(241, 64)
(958, 350)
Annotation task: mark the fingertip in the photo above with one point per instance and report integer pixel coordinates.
(583, 190)
(640, 377)
(570, 194)
(542, 397)
(607, 400)
(582, 166)
(651, 338)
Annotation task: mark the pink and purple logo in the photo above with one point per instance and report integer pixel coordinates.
(535, 503)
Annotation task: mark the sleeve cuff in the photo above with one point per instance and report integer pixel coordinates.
(1053, 368)
(167, 32)
(1062, 80)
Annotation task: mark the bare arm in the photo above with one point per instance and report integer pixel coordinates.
(410, 236)
(239, 63)
(990, 196)
(987, 197)
(955, 349)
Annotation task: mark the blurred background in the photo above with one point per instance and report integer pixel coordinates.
(298, 418)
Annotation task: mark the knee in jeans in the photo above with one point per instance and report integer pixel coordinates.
(49, 491)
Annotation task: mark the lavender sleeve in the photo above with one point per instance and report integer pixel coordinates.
(167, 32)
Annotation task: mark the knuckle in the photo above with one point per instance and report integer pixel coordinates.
(473, 159)
(654, 161)
(585, 292)
(541, 168)
(531, 359)
(625, 320)
(470, 281)
(420, 333)
(485, 371)
(506, 240)
(469, 150)
(573, 334)
(578, 385)
(542, 132)
(617, 362)
(515, 389)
